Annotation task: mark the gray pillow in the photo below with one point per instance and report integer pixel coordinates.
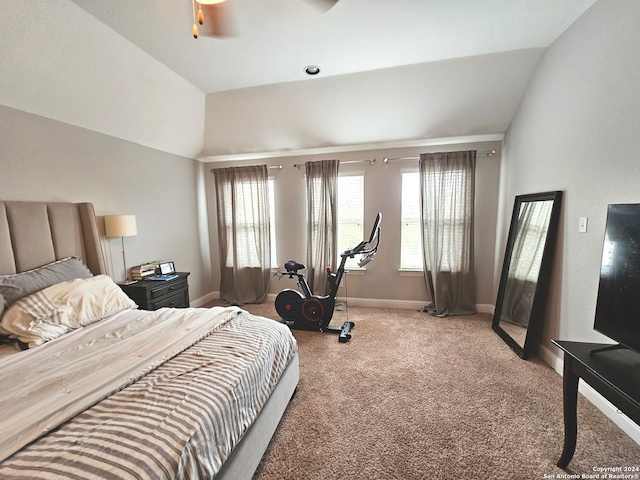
(18, 285)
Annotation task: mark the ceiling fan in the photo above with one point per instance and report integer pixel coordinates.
(215, 21)
(214, 12)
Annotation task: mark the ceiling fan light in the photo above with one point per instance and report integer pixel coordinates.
(209, 2)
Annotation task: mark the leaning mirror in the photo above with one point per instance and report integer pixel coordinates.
(522, 292)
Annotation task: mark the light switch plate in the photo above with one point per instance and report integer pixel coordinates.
(582, 226)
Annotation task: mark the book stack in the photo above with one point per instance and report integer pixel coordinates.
(139, 272)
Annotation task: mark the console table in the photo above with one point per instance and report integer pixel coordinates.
(615, 374)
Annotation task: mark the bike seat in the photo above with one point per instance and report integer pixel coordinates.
(292, 266)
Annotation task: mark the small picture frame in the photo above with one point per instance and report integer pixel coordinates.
(166, 267)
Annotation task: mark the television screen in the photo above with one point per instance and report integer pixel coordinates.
(618, 304)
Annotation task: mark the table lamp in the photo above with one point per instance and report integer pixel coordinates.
(121, 226)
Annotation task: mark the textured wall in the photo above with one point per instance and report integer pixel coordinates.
(577, 130)
(45, 160)
(58, 61)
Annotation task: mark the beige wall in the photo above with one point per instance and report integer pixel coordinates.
(87, 116)
(43, 159)
(382, 283)
(60, 62)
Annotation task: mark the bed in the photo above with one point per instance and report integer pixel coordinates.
(92, 387)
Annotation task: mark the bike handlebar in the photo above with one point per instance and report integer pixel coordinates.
(360, 248)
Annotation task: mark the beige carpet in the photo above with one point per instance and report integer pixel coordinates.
(413, 396)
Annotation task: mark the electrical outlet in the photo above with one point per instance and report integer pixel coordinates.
(582, 226)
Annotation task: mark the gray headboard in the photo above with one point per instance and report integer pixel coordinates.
(36, 233)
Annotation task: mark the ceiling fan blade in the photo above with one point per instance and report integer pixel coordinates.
(324, 5)
(218, 21)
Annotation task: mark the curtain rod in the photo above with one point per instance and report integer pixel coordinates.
(296, 165)
(269, 167)
(370, 161)
(489, 153)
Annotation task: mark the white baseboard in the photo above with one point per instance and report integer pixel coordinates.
(620, 419)
(383, 303)
(356, 302)
(198, 302)
(372, 302)
(390, 303)
(484, 308)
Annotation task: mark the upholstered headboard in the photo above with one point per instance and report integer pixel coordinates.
(36, 233)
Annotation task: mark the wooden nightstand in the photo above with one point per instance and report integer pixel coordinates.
(155, 294)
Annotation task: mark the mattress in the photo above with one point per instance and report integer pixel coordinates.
(172, 404)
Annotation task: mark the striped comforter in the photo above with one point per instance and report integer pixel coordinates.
(180, 420)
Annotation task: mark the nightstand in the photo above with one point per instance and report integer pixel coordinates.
(155, 294)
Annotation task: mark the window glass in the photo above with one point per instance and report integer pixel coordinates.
(452, 219)
(451, 224)
(350, 214)
(410, 240)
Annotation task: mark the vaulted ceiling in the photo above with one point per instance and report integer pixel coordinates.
(271, 41)
(392, 73)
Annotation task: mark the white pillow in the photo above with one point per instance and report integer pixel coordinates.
(65, 306)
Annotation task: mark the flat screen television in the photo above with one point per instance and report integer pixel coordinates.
(618, 304)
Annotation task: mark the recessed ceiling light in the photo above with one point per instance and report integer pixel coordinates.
(312, 69)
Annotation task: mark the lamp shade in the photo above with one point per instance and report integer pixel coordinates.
(120, 225)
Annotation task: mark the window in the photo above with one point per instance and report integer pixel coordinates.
(244, 231)
(350, 214)
(450, 216)
(451, 223)
(410, 237)
(272, 222)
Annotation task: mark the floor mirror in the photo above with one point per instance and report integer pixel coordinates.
(522, 293)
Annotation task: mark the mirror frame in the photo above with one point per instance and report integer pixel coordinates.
(542, 284)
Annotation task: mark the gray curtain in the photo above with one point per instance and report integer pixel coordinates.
(447, 189)
(242, 195)
(322, 222)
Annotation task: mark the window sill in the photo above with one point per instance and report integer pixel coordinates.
(350, 271)
(355, 271)
(410, 273)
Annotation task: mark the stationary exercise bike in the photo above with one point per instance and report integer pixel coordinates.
(305, 311)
